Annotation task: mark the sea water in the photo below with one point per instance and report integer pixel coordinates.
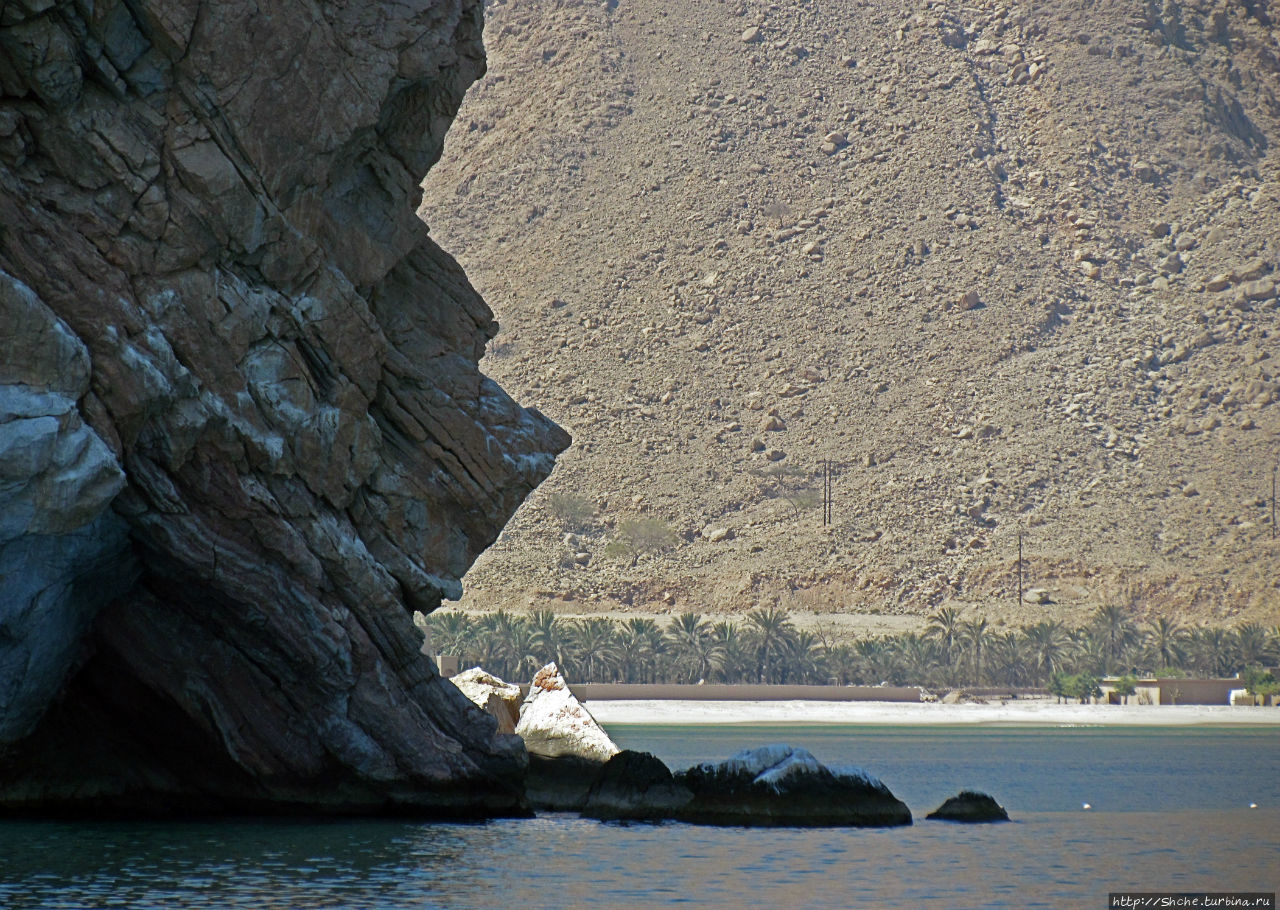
(1170, 812)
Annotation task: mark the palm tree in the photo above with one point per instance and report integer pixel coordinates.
(693, 647)
(485, 647)
(1047, 641)
(451, 632)
(1088, 650)
(882, 658)
(945, 626)
(737, 658)
(843, 664)
(597, 656)
(634, 643)
(1117, 632)
(550, 636)
(973, 637)
(1165, 643)
(920, 656)
(517, 649)
(771, 628)
(1213, 651)
(803, 659)
(1010, 659)
(1252, 644)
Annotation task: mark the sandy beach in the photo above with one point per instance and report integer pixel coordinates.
(1044, 713)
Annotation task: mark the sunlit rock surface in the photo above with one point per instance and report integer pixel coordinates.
(498, 699)
(243, 433)
(553, 723)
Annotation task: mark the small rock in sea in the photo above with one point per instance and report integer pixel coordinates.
(784, 785)
(970, 806)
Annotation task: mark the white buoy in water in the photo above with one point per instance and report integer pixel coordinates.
(1086, 806)
(1253, 805)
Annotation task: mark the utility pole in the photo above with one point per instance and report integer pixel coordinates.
(828, 503)
(1273, 503)
(1019, 566)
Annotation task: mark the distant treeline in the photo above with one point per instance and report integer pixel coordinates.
(766, 647)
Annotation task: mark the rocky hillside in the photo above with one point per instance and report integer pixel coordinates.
(242, 430)
(1010, 266)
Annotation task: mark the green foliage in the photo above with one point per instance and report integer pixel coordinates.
(574, 512)
(791, 484)
(767, 647)
(1259, 682)
(1126, 686)
(639, 536)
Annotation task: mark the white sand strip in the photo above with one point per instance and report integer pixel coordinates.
(1022, 713)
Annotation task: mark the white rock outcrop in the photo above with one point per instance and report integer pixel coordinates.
(554, 724)
(491, 694)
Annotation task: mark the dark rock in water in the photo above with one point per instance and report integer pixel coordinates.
(970, 806)
(567, 747)
(638, 786)
(783, 785)
(243, 431)
(561, 783)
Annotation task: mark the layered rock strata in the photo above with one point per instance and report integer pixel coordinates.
(243, 433)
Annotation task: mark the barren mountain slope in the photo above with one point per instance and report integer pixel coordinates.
(1011, 266)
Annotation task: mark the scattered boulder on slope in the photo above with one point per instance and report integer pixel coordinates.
(492, 695)
(635, 786)
(970, 806)
(567, 747)
(783, 785)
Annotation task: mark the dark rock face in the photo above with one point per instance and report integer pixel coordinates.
(635, 786)
(562, 783)
(970, 806)
(243, 433)
(783, 785)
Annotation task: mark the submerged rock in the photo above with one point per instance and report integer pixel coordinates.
(567, 747)
(784, 785)
(501, 700)
(970, 806)
(635, 786)
(243, 431)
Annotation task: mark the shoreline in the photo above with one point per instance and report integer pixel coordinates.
(1021, 713)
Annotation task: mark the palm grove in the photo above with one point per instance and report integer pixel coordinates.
(767, 647)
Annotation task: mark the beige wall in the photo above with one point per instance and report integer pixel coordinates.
(628, 692)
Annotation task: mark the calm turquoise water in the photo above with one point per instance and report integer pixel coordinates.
(1170, 814)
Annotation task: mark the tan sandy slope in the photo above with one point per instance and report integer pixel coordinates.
(1011, 265)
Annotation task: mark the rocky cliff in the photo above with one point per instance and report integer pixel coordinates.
(243, 433)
